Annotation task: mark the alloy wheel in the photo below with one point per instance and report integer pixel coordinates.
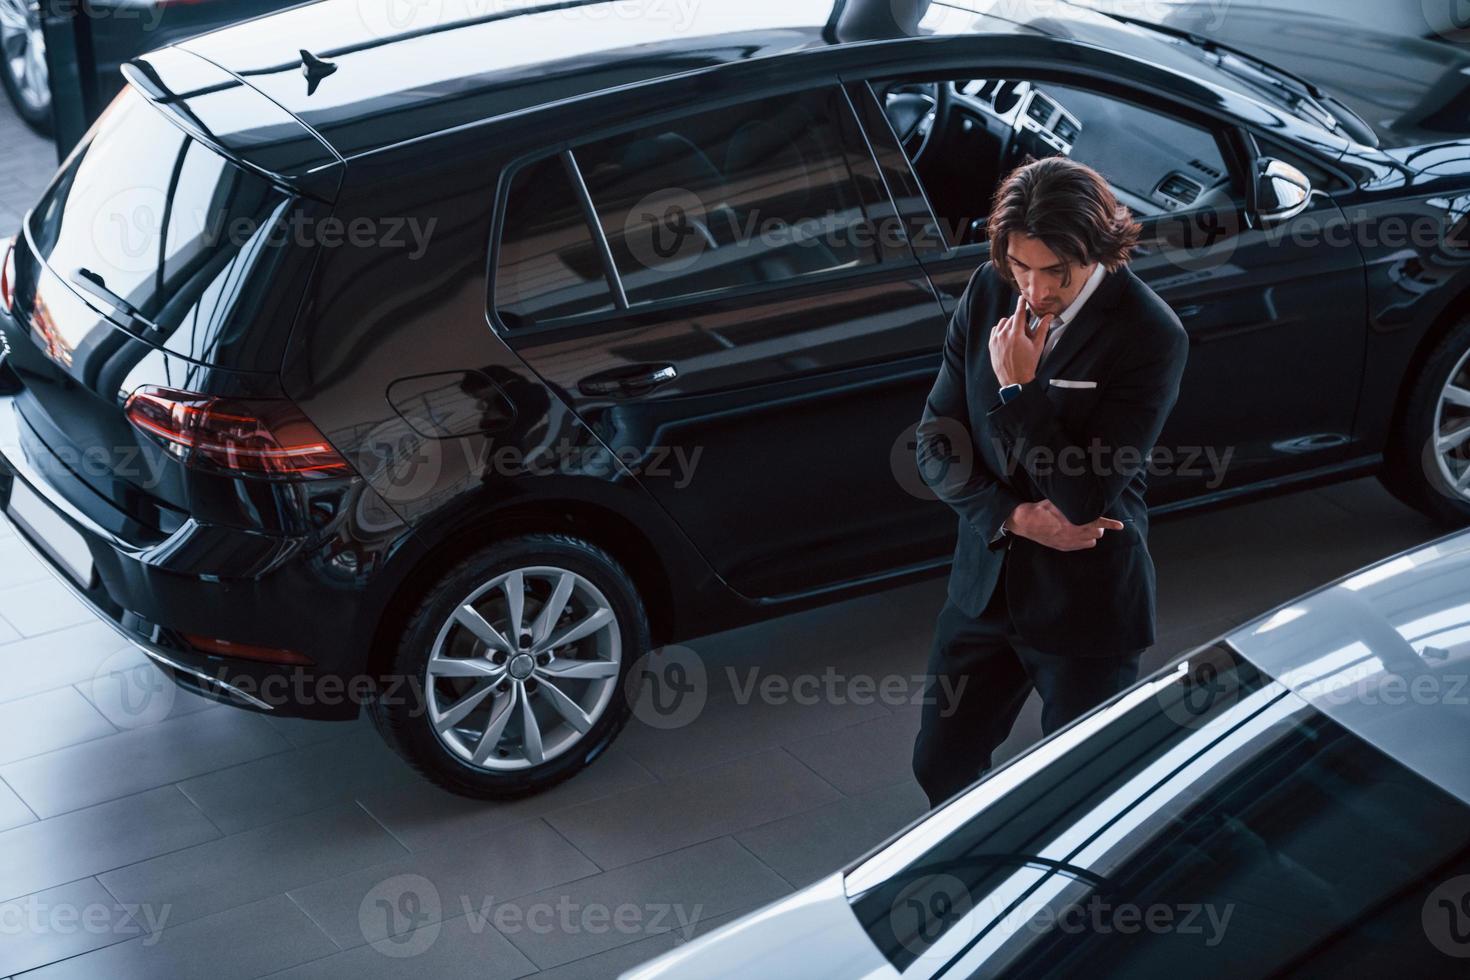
(523, 668)
(23, 49)
(1452, 429)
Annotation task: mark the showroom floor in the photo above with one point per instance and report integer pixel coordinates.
(176, 838)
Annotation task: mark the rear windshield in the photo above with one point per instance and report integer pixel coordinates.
(161, 220)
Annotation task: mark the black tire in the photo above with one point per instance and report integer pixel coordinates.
(404, 720)
(1411, 469)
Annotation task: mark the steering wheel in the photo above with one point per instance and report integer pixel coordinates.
(916, 110)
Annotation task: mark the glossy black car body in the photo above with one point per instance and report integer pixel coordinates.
(794, 396)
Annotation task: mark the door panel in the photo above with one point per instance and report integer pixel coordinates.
(1276, 319)
(755, 374)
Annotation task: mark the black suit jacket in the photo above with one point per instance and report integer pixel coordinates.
(1083, 448)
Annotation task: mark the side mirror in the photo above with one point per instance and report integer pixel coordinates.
(1282, 191)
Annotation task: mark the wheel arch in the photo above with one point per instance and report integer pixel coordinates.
(593, 522)
(1456, 311)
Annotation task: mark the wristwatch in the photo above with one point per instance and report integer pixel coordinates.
(1009, 392)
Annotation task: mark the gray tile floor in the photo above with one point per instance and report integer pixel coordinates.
(189, 838)
(26, 163)
(177, 838)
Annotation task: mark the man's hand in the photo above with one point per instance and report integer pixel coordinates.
(1013, 354)
(1044, 524)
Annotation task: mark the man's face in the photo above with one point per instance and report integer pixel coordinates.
(1040, 272)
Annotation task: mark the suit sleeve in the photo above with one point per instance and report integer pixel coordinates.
(945, 446)
(1084, 472)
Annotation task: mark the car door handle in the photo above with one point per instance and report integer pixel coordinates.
(633, 379)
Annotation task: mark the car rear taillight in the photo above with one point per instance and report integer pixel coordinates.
(245, 437)
(7, 276)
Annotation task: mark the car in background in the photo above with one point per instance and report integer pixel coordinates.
(447, 367)
(114, 32)
(1292, 799)
(1404, 66)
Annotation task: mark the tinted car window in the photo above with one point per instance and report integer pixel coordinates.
(758, 193)
(1156, 164)
(166, 223)
(548, 265)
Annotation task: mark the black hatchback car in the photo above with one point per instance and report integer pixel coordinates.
(451, 367)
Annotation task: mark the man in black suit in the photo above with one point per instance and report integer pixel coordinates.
(1037, 432)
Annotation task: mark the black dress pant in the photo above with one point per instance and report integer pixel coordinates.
(979, 676)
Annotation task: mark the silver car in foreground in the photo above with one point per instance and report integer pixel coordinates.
(1292, 799)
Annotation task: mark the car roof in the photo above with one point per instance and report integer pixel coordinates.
(359, 81)
(431, 70)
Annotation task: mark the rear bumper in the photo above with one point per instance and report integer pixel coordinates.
(229, 583)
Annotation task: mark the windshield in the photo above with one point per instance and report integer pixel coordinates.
(1111, 26)
(1295, 798)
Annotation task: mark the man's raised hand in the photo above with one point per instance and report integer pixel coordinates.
(1043, 523)
(1014, 354)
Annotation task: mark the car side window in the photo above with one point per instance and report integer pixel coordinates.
(548, 264)
(758, 193)
(1156, 164)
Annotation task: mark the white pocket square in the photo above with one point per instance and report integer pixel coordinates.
(1058, 382)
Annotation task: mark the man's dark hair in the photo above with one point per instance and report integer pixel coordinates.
(1069, 207)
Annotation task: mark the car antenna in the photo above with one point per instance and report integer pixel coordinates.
(315, 69)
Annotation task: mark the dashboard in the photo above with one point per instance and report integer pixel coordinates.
(1155, 165)
(1025, 107)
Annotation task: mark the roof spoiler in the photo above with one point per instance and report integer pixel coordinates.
(237, 120)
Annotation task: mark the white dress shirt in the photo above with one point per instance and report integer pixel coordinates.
(1057, 324)
(1070, 313)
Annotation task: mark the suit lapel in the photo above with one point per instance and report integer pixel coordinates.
(1085, 328)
